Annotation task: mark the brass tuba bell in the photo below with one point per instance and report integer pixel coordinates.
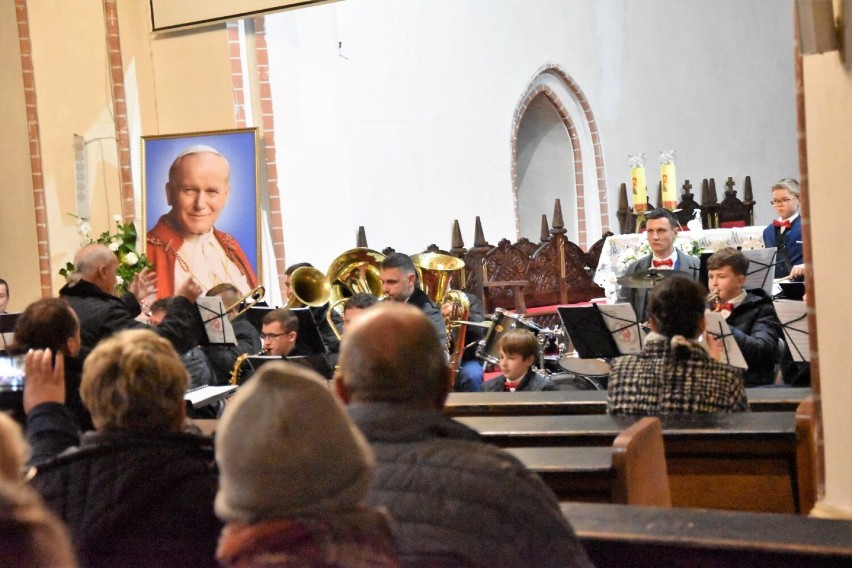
(435, 272)
(356, 270)
(310, 288)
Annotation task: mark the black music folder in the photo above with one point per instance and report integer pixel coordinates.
(589, 333)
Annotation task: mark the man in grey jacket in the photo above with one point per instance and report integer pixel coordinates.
(456, 500)
(661, 230)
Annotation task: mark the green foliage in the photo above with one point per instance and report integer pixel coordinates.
(122, 242)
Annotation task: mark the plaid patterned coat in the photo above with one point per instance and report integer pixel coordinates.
(656, 382)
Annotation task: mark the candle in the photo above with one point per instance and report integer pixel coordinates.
(669, 179)
(637, 182)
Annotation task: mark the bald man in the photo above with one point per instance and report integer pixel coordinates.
(91, 294)
(184, 243)
(456, 500)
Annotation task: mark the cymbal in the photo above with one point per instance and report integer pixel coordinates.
(646, 278)
(485, 324)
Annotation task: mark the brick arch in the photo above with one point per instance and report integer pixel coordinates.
(576, 114)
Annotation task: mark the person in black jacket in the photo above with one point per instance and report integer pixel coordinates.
(399, 284)
(519, 351)
(91, 294)
(750, 314)
(222, 356)
(138, 491)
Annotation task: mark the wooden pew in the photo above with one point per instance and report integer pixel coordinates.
(646, 537)
(740, 461)
(590, 402)
(632, 471)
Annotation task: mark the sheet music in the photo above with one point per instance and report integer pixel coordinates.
(794, 321)
(731, 354)
(761, 269)
(620, 319)
(202, 396)
(216, 321)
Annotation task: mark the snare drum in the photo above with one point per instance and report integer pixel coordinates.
(502, 323)
(586, 371)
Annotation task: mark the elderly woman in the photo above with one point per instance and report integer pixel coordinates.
(137, 491)
(295, 475)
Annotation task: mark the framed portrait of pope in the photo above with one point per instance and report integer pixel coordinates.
(201, 209)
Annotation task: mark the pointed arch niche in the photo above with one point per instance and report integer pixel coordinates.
(538, 147)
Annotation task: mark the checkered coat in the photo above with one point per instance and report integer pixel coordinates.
(657, 382)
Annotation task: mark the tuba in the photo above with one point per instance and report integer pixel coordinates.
(459, 314)
(356, 270)
(310, 288)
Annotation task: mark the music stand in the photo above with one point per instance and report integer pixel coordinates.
(7, 325)
(758, 275)
(589, 334)
(255, 315)
(793, 315)
(717, 326)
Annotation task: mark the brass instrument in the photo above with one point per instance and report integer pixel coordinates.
(250, 300)
(435, 272)
(329, 316)
(356, 270)
(237, 369)
(310, 288)
(713, 301)
(460, 311)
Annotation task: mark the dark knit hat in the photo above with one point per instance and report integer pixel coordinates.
(285, 447)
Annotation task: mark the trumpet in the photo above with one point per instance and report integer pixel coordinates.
(713, 301)
(250, 300)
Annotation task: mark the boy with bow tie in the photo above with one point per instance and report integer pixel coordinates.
(749, 313)
(785, 232)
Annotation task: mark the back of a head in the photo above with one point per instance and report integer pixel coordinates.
(89, 258)
(134, 380)
(294, 267)
(228, 292)
(286, 448)
(30, 535)
(392, 354)
(399, 260)
(676, 306)
(46, 324)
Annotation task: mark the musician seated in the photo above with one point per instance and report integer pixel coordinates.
(470, 372)
(750, 315)
(518, 353)
(195, 360)
(674, 374)
(399, 284)
(785, 232)
(355, 305)
(329, 338)
(222, 357)
(279, 330)
(661, 231)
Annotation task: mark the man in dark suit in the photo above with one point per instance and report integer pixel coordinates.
(661, 230)
(399, 284)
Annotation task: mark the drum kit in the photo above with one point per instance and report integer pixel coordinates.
(565, 369)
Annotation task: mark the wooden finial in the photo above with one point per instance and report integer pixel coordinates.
(457, 240)
(729, 185)
(361, 240)
(478, 235)
(558, 223)
(545, 230)
(747, 193)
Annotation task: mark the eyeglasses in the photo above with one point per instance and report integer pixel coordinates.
(784, 201)
(264, 336)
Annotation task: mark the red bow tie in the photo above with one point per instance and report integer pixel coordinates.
(510, 386)
(785, 224)
(726, 306)
(668, 262)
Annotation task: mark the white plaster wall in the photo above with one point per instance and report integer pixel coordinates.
(408, 125)
(545, 170)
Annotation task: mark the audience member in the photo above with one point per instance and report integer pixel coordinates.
(519, 351)
(90, 292)
(399, 284)
(750, 315)
(785, 232)
(184, 244)
(14, 451)
(222, 356)
(674, 374)
(456, 500)
(4, 295)
(138, 491)
(661, 230)
(50, 323)
(295, 473)
(355, 305)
